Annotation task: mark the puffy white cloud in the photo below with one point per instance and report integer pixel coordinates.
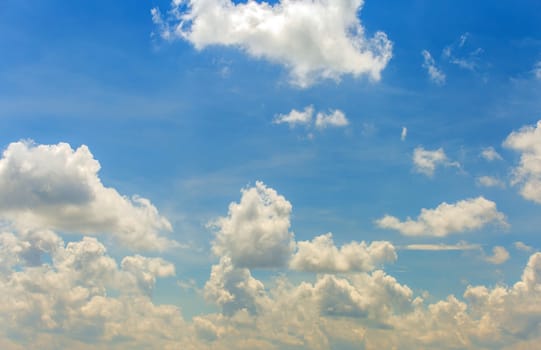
(499, 256)
(436, 75)
(321, 255)
(336, 118)
(527, 141)
(490, 181)
(426, 161)
(464, 215)
(314, 39)
(57, 187)
(490, 154)
(404, 133)
(255, 233)
(296, 117)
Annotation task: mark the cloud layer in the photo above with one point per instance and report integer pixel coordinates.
(314, 39)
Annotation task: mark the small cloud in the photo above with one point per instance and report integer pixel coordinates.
(521, 246)
(489, 181)
(499, 256)
(336, 118)
(465, 215)
(426, 161)
(404, 133)
(490, 154)
(436, 75)
(442, 247)
(537, 70)
(295, 117)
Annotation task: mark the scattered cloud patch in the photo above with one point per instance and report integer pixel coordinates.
(426, 161)
(335, 118)
(499, 256)
(442, 247)
(537, 70)
(521, 246)
(527, 141)
(490, 181)
(455, 54)
(296, 117)
(404, 133)
(56, 187)
(435, 74)
(466, 215)
(314, 40)
(490, 154)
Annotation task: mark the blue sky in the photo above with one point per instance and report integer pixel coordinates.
(412, 126)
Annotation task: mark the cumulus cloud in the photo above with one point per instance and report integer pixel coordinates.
(336, 118)
(490, 154)
(435, 74)
(255, 233)
(314, 40)
(321, 255)
(445, 219)
(499, 256)
(426, 161)
(527, 141)
(490, 181)
(56, 187)
(296, 117)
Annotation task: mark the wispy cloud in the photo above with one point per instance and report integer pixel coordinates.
(435, 74)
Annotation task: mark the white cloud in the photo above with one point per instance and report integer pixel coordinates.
(336, 118)
(313, 39)
(404, 133)
(490, 181)
(321, 255)
(537, 70)
(436, 75)
(56, 187)
(296, 117)
(490, 154)
(426, 161)
(255, 233)
(527, 141)
(464, 215)
(499, 256)
(442, 247)
(521, 246)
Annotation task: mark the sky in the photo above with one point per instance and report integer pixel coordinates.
(295, 174)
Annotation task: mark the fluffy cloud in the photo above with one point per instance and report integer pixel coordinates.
(255, 233)
(490, 154)
(527, 141)
(426, 161)
(314, 39)
(464, 215)
(490, 181)
(57, 187)
(521, 246)
(296, 117)
(336, 118)
(321, 255)
(436, 75)
(499, 256)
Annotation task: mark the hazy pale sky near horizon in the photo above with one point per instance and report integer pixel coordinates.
(300, 174)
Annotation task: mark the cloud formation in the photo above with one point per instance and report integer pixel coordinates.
(445, 219)
(499, 256)
(314, 40)
(426, 161)
(296, 117)
(56, 187)
(435, 74)
(490, 154)
(490, 181)
(334, 118)
(527, 141)
(321, 255)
